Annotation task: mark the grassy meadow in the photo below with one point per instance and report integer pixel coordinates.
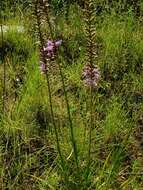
(56, 131)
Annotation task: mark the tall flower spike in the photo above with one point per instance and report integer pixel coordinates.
(90, 31)
(90, 74)
(51, 47)
(48, 52)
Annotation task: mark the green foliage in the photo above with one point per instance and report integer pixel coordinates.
(29, 158)
(15, 45)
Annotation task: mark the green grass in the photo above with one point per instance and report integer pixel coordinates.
(29, 158)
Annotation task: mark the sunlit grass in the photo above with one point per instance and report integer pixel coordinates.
(28, 154)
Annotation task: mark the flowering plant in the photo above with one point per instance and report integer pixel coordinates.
(90, 75)
(48, 52)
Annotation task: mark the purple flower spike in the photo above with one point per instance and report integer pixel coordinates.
(48, 52)
(49, 46)
(90, 75)
(50, 43)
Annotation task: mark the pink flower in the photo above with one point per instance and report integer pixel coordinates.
(90, 75)
(58, 43)
(49, 46)
(48, 52)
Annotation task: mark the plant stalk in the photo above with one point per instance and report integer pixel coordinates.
(69, 117)
(50, 97)
(4, 70)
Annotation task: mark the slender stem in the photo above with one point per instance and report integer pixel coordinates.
(50, 97)
(90, 55)
(73, 141)
(90, 131)
(4, 70)
(69, 117)
(85, 122)
(53, 120)
(91, 122)
(63, 164)
(4, 78)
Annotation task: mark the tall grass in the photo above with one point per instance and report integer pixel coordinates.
(94, 138)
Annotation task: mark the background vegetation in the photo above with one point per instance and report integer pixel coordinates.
(29, 154)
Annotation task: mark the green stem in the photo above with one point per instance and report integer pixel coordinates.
(50, 97)
(90, 54)
(53, 120)
(69, 117)
(90, 132)
(4, 71)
